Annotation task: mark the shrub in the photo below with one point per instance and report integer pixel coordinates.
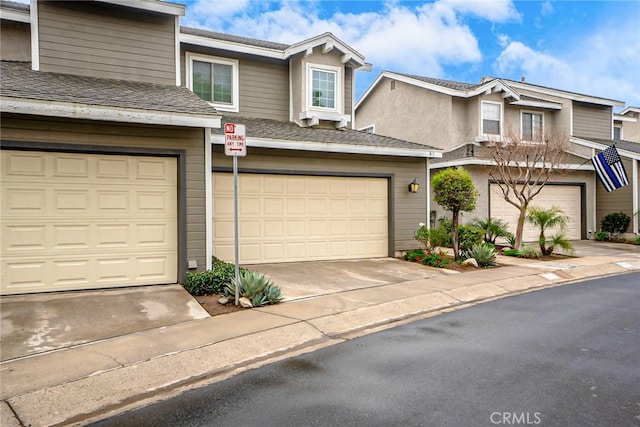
(469, 237)
(256, 287)
(560, 240)
(483, 253)
(616, 223)
(511, 252)
(436, 259)
(430, 238)
(211, 281)
(637, 240)
(528, 252)
(601, 236)
(548, 218)
(414, 255)
(492, 228)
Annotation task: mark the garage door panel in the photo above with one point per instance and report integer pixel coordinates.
(566, 197)
(297, 218)
(76, 221)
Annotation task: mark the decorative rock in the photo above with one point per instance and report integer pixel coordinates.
(223, 300)
(245, 302)
(471, 261)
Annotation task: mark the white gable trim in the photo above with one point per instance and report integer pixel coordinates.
(328, 42)
(151, 6)
(16, 15)
(231, 46)
(567, 95)
(601, 147)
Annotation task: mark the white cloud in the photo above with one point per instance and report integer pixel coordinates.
(547, 8)
(491, 10)
(603, 64)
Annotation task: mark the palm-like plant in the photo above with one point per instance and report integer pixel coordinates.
(549, 218)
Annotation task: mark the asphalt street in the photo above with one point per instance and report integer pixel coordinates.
(566, 356)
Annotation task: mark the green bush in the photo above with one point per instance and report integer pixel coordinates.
(211, 281)
(601, 236)
(414, 255)
(529, 252)
(511, 252)
(256, 287)
(469, 237)
(637, 240)
(483, 253)
(435, 259)
(616, 223)
(511, 239)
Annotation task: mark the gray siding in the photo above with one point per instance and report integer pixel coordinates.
(592, 121)
(408, 209)
(106, 41)
(348, 90)
(264, 85)
(22, 128)
(15, 41)
(615, 201)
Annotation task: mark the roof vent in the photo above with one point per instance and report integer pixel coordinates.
(522, 79)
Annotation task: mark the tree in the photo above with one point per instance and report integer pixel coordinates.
(549, 218)
(521, 168)
(454, 191)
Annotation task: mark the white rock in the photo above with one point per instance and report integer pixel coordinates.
(471, 261)
(223, 300)
(245, 302)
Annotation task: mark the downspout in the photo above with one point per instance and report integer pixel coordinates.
(635, 196)
(428, 185)
(208, 199)
(594, 203)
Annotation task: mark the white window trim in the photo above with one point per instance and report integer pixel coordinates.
(339, 107)
(614, 131)
(482, 118)
(364, 129)
(235, 96)
(522, 112)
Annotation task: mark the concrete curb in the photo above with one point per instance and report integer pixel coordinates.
(89, 382)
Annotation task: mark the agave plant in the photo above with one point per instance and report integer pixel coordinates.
(484, 254)
(258, 288)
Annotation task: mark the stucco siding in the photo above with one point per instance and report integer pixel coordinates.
(59, 131)
(408, 209)
(408, 113)
(592, 121)
(15, 41)
(106, 41)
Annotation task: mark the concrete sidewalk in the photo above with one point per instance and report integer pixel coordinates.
(84, 383)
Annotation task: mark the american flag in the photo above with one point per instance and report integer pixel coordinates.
(610, 169)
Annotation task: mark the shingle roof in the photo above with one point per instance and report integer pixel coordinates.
(233, 39)
(17, 80)
(288, 131)
(440, 82)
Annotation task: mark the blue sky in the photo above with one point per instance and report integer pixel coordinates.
(590, 47)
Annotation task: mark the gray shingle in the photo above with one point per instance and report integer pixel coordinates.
(13, 5)
(450, 84)
(17, 80)
(634, 147)
(233, 39)
(288, 131)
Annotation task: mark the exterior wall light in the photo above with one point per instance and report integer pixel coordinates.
(413, 186)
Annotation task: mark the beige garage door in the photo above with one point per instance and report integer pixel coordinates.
(566, 197)
(301, 218)
(78, 221)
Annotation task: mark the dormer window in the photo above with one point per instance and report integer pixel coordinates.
(491, 118)
(324, 84)
(531, 126)
(214, 79)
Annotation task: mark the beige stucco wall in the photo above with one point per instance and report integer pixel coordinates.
(408, 113)
(631, 130)
(15, 41)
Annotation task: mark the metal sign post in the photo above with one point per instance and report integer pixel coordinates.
(235, 145)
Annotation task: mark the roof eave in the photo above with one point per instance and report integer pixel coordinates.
(104, 113)
(16, 15)
(330, 147)
(350, 55)
(151, 6)
(231, 46)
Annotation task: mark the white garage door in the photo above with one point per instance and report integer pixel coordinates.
(78, 221)
(566, 197)
(301, 218)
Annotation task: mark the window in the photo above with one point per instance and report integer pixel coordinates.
(214, 80)
(617, 132)
(368, 129)
(491, 118)
(531, 126)
(324, 84)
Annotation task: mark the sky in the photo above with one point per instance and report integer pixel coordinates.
(589, 47)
